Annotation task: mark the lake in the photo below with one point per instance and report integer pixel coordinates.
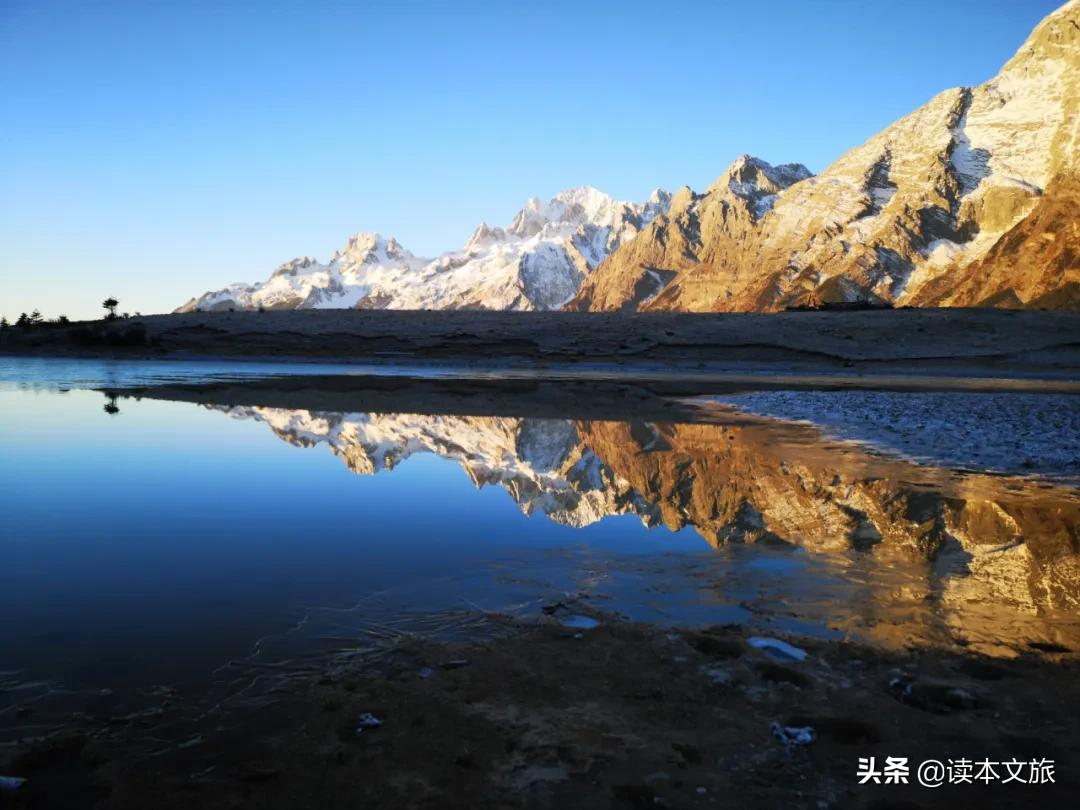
(167, 525)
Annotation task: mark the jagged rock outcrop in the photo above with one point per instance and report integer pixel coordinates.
(717, 227)
(1036, 263)
(965, 201)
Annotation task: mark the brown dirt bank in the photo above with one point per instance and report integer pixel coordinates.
(622, 715)
(611, 394)
(991, 340)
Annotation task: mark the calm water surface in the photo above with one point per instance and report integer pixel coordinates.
(151, 541)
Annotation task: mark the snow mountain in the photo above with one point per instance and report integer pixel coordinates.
(366, 261)
(971, 200)
(537, 262)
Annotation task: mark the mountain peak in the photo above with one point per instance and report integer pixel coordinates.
(484, 236)
(592, 200)
(371, 247)
(681, 200)
(572, 206)
(660, 197)
(363, 240)
(1056, 37)
(750, 177)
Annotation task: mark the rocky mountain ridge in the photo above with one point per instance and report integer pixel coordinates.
(537, 262)
(969, 200)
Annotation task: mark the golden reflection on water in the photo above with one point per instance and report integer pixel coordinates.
(929, 555)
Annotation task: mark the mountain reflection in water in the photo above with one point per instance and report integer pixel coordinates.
(171, 539)
(995, 555)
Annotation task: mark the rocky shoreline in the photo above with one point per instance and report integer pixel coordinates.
(580, 711)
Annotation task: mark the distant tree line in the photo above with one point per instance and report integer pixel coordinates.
(35, 318)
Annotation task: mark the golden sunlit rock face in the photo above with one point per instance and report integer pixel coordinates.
(1037, 262)
(979, 543)
(970, 200)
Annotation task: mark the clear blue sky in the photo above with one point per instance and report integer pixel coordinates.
(153, 150)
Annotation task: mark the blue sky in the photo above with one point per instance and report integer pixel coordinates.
(153, 150)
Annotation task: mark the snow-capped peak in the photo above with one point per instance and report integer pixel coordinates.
(583, 205)
(371, 248)
(659, 197)
(484, 236)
